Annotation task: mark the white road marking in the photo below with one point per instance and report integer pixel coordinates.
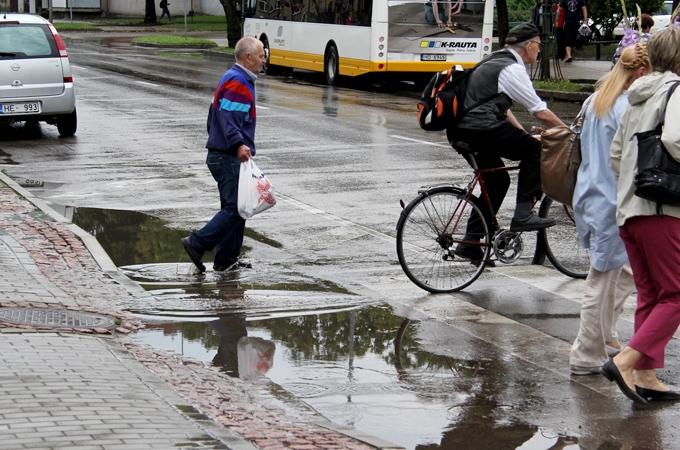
(147, 83)
(404, 138)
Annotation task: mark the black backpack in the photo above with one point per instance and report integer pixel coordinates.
(441, 103)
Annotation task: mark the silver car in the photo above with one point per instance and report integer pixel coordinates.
(36, 83)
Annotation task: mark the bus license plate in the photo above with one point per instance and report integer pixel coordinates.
(20, 108)
(432, 57)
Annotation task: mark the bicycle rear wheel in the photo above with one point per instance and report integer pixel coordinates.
(429, 230)
(562, 245)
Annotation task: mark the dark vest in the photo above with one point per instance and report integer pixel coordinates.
(483, 83)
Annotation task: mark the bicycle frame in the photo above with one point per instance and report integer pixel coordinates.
(478, 179)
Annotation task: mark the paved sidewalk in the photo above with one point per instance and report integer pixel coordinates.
(69, 377)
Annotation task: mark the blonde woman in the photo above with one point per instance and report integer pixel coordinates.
(610, 280)
(652, 237)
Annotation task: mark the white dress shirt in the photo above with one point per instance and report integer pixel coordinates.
(514, 81)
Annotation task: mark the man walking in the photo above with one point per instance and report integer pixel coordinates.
(231, 140)
(164, 7)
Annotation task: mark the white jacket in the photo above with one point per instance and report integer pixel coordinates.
(646, 97)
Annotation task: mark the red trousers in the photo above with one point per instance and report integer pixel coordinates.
(653, 247)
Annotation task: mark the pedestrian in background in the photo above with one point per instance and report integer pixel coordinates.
(164, 7)
(652, 237)
(609, 281)
(231, 140)
(631, 36)
(559, 31)
(575, 11)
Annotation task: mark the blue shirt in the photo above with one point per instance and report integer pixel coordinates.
(595, 193)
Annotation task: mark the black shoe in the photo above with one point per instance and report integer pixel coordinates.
(531, 223)
(233, 265)
(657, 396)
(194, 254)
(472, 252)
(611, 372)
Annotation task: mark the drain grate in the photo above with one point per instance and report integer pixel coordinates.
(58, 318)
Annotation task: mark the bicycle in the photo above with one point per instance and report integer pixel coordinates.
(440, 218)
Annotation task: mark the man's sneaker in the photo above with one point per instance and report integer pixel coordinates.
(584, 370)
(531, 223)
(194, 254)
(233, 265)
(472, 252)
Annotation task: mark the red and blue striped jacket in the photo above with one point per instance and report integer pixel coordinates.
(231, 118)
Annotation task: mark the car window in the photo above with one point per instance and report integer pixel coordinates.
(666, 9)
(26, 41)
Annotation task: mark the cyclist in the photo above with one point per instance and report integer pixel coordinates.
(492, 132)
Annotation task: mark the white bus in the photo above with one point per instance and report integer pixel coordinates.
(356, 37)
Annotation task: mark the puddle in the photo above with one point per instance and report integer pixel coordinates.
(363, 368)
(133, 238)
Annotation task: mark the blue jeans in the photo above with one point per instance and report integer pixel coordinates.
(429, 13)
(224, 232)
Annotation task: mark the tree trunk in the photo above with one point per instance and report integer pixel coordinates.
(233, 21)
(150, 12)
(503, 25)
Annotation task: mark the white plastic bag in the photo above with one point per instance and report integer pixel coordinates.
(255, 191)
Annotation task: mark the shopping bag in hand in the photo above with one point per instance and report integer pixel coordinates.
(255, 191)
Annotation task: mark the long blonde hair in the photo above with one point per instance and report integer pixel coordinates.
(610, 86)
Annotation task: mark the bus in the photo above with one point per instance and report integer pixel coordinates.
(358, 37)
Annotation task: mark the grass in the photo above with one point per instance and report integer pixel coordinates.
(171, 40)
(75, 26)
(194, 23)
(558, 85)
(225, 50)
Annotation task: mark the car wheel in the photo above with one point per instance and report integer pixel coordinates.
(331, 62)
(67, 124)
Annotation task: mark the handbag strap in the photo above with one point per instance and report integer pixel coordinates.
(581, 116)
(668, 98)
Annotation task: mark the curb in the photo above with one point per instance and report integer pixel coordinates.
(91, 244)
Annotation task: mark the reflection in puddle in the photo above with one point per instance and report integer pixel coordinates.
(131, 237)
(366, 369)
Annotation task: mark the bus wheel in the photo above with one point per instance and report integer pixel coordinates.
(331, 62)
(268, 68)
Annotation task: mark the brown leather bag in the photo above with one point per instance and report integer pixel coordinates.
(560, 159)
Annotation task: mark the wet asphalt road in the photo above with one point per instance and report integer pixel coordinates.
(340, 159)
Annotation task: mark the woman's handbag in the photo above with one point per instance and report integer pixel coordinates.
(561, 158)
(658, 174)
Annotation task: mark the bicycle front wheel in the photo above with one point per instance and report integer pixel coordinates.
(562, 246)
(429, 230)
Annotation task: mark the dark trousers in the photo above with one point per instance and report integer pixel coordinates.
(224, 232)
(489, 146)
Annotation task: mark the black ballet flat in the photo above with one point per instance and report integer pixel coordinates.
(611, 372)
(657, 396)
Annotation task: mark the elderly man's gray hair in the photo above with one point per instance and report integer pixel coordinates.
(246, 46)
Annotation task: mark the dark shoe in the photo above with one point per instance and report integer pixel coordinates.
(233, 265)
(194, 254)
(473, 253)
(531, 223)
(611, 372)
(657, 396)
(568, 60)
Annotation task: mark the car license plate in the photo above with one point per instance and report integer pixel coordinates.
(432, 57)
(20, 108)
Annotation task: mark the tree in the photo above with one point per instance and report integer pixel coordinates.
(607, 14)
(232, 13)
(503, 21)
(150, 12)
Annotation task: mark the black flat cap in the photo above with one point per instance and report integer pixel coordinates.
(520, 33)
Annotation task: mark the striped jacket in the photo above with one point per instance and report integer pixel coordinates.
(231, 118)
